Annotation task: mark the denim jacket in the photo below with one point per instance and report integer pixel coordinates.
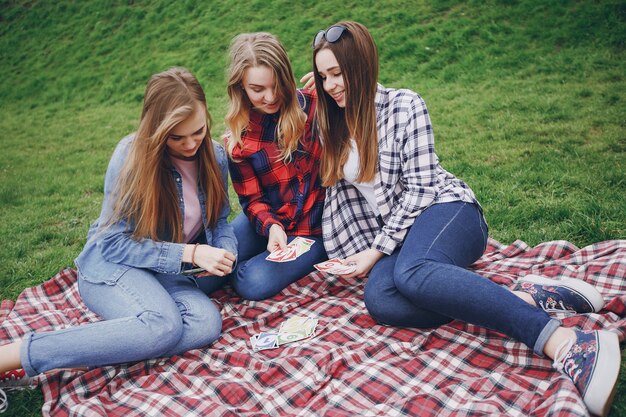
(111, 251)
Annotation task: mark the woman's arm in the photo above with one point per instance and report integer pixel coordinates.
(419, 174)
(114, 240)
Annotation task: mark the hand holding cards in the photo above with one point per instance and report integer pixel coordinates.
(296, 247)
(296, 328)
(336, 267)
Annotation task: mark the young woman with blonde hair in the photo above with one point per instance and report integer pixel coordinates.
(164, 210)
(413, 228)
(274, 165)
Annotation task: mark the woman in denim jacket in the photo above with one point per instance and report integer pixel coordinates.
(164, 210)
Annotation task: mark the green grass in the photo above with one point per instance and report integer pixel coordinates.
(527, 98)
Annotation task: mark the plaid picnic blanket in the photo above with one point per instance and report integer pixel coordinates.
(351, 366)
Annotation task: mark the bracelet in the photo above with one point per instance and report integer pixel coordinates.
(193, 254)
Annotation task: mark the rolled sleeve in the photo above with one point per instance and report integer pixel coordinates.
(419, 176)
(117, 246)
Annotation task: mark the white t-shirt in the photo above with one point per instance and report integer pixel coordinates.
(351, 170)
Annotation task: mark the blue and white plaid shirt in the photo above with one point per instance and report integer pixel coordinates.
(408, 180)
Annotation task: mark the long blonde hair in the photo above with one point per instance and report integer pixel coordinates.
(263, 49)
(146, 194)
(357, 57)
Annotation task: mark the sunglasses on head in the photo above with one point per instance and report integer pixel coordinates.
(332, 34)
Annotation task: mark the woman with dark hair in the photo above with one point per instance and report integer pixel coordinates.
(412, 227)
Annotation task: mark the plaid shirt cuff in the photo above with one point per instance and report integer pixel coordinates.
(384, 244)
(269, 223)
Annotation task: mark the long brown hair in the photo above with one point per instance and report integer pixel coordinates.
(263, 49)
(357, 56)
(146, 192)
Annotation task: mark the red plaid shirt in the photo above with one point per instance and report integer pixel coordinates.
(275, 192)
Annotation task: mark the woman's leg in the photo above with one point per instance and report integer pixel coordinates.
(256, 278)
(201, 320)
(388, 306)
(383, 299)
(141, 321)
(430, 272)
(249, 242)
(210, 284)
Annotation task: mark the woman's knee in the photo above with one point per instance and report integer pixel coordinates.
(203, 321)
(253, 292)
(252, 283)
(213, 329)
(380, 296)
(408, 274)
(162, 332)
(378, 307)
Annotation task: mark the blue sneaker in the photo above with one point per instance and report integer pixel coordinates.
(592, 362)
(565, 295)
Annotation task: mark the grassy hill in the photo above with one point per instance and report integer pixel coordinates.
(527, 98)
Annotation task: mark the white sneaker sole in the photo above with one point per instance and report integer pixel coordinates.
(603, 381)
(586, 291)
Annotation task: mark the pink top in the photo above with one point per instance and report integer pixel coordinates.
(192, 221)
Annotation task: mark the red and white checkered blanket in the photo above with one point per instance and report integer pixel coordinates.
(352, 366)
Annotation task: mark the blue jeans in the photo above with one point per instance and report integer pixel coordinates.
(425, 284)
(146, 315)
(255, 278)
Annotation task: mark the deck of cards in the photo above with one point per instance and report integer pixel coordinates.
(295, 328)
(335, 267)
(296, 247)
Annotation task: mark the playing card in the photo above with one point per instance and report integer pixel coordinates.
(305, 241)
(296, 247)
(342, 270)
(291, 330)
(335, 266)
(283, 255)
(302, 244)
(327, 265)
(293, 323)
(284, 338)
(266, 340)
(297, 324)
(253, 340)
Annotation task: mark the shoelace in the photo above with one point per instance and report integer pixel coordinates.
(561, 353)
(4, 401)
